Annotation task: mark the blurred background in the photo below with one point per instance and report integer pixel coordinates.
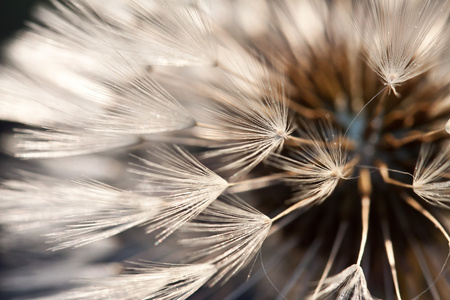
(13, 14)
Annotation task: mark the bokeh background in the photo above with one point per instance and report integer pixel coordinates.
(13, 15)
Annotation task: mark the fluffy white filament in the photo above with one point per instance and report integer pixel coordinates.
(32, 201)
(157, 33)
(90, 210)
(235, 232)
(35, 101)
(317, 166)
(251, 121)
(402, 38)
(147, 281)
(431, 181)
(47, 143)
(185, 185)
(140, 107)
(350, 284)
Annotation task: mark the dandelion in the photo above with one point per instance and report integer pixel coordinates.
(163, 281)
(238, 232)
(401, 39)
(430, 180)
(351, 284)
(291, 149)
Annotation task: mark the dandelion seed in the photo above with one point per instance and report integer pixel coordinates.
(235, 231)
(146, 280)
(30, 101)
(349, 284)
(317, 167)
(23, 201)
(173, 33)
(167, 33)
(250, 127)
(402, 39)
(142, 107)
(431, 176)
(29, 143)
(186, 186)
(91, 210)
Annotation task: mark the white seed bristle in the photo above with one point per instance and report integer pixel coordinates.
(147, 281)
(140, 107)
(349, 284)
(94, 31)
(317, 166)
(89, 210)
(403, 38)
(431, 180)
(235, 231)
(185, 185)
(251, 122)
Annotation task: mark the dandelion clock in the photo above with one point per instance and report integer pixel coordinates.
(190, 149)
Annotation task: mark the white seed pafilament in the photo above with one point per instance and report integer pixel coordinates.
(251, 122)
(89, 210)
(37, 192)
(301, 21)
(186, 186)
(140, 107)
(50, 143)
(33, 101)
(173, 32)
(431, 181)
(146, 281)
(235, 232)
(403, 38)
(350, 284)
(316, 167)
(158, 33)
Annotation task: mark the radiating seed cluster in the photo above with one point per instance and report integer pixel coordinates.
(291, 149)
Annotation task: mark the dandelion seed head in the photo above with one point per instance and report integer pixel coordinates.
(315, 132)
(401, 38)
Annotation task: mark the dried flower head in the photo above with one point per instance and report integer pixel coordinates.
(289, 149)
